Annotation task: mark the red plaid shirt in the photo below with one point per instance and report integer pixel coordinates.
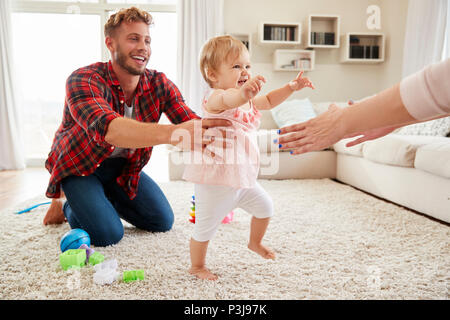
(93, 99)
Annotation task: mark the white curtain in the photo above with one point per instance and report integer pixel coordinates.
(425, 34)
(198, 20)
(446, 52)
(11, 146)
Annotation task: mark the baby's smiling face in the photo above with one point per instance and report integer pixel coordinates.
(233, 73)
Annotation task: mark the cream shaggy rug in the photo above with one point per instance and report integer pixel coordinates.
(331, 241)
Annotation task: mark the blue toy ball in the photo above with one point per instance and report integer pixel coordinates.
(74, 239)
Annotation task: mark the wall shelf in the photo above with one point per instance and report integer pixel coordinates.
(280, 33)
(360, 47)
(323, 31)
(246, 39)
(293, 60)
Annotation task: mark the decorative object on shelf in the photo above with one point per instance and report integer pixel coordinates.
(358, 51)
(293, 60)
(280, 32)
(360, 47)
(324, 38)
(323, 31)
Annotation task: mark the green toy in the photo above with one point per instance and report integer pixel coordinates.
(96, 258)
(72, 258)
(133, 275)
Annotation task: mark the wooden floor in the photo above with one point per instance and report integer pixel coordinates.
(19, 186)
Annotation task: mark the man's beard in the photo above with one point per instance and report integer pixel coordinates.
(121, 60)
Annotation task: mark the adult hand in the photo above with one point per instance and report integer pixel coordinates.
(252, 87)
(199, 133)
(299, 83)
(315, 134)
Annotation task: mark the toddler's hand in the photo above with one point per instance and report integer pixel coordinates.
(299, 82)
(252, 87)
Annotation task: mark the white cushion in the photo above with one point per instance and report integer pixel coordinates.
(434, 158)
(397, 150)
(321, 107)
(340, 147)
(265, 140)
(438, 127)
(292, 111)
(267, 120)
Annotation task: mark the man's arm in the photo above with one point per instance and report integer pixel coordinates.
(128, 133)
(172, 101)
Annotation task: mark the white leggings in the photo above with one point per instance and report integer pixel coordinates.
(213, 203)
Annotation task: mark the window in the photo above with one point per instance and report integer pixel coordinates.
(43, 64)
(53, 38)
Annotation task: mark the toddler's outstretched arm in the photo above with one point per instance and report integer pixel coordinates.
(275, 97)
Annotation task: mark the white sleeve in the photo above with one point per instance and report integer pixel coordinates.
(426, 94)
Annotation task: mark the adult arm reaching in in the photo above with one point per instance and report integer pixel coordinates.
(420, 97)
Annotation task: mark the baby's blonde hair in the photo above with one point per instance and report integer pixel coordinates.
(217, 50)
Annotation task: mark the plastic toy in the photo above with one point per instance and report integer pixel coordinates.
(133, 275)
(73, 239)
(72, 258)
(89, 251)
(109, 264)
(192, 213)
(32, 207)
(105, 272)
(227, 219)
(96, 258)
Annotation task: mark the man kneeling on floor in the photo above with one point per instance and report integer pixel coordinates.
(109, 127)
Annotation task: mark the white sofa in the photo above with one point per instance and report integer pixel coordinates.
(410, 170)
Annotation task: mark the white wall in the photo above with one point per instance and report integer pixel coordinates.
(334, 81)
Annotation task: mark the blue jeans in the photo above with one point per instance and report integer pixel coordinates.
(95, 203)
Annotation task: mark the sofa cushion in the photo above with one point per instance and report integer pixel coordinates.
(321, 107)
(292, 111)
(265, 140)
(434, 158)
(267, 120)
(356, 150)
(438, 127)
(397, 150)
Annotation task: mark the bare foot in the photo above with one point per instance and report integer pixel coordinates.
(55, 214)
(263, 251)
(203, 273)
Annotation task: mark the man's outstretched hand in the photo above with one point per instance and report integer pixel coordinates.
(199, 133)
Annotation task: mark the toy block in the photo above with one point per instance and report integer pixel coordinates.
(96, 258)
(133, 275)
(72, 258)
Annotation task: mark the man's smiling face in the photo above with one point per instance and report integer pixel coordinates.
(131, 47)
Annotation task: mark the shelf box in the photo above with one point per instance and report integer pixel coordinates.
(280, 33)
(363, 48)
(246, 39)
(293, 60)
(323, 31)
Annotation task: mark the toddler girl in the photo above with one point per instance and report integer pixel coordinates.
(227, 179)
